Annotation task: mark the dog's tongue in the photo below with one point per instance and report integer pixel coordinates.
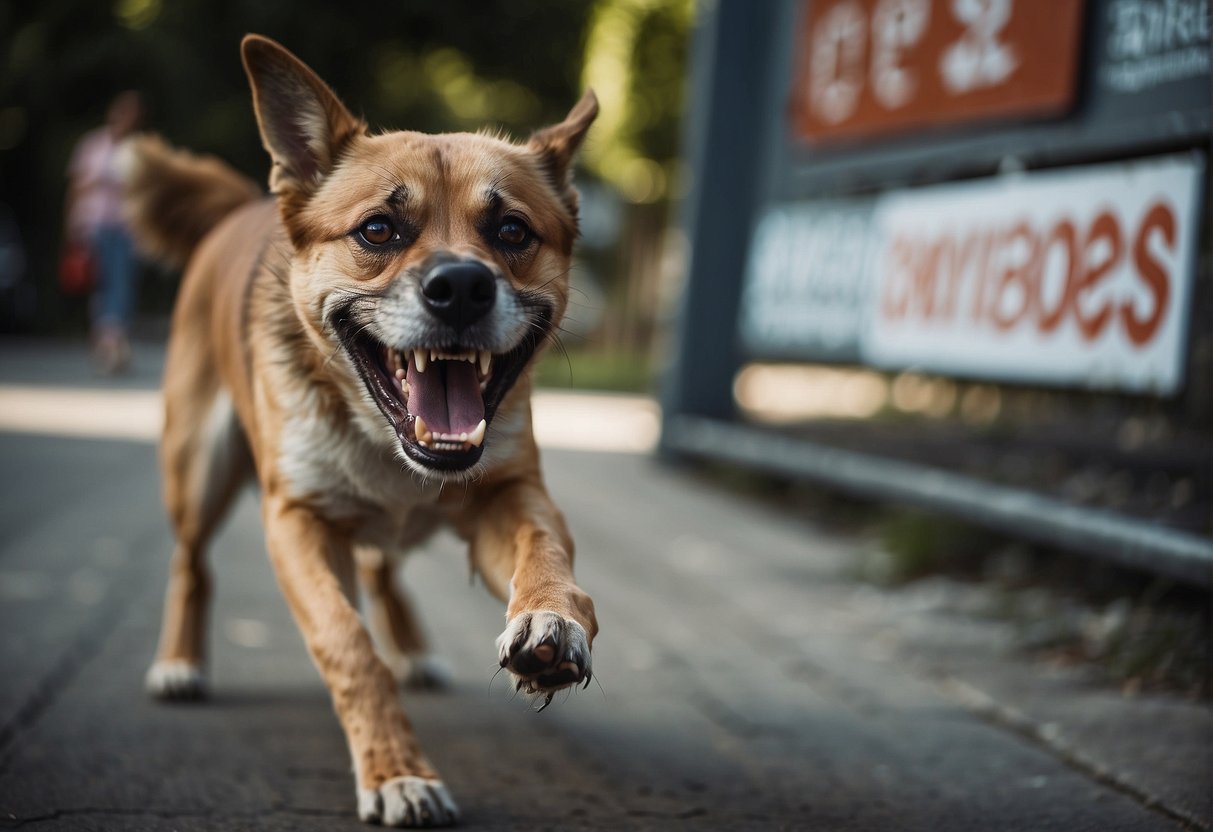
(446, 396)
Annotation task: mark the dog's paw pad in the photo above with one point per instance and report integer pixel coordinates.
(175, 679)
(408, 802)
(544, 651)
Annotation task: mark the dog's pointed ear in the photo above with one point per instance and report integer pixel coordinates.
(558, 144)
(303, 125)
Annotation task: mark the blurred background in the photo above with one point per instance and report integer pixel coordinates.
(411, 65)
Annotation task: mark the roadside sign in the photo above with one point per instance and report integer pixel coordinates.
(1132, 78)
(1071, 277)
(1005, 192)
(875, 67)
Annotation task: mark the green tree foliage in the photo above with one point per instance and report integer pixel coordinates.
(636, 54)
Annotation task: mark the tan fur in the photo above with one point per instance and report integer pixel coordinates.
(253, 337)
(174, 198)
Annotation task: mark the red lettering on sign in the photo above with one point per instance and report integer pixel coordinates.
(899, 268)
(1104, 229)
(926, 283)
(968, 264)
(1159, 218)
(1014, 296)
(1062, 233)
(1015, 276)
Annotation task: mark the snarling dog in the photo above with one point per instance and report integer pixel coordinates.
(359, 341)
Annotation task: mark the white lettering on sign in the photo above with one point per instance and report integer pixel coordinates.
(1066, 277)
(1152, 42)
(978, 59)
(896, 26)
(877, 67)
(837, 76)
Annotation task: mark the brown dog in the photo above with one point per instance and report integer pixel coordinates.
(356, 342)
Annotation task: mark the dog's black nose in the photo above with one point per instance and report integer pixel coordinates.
(459, 293)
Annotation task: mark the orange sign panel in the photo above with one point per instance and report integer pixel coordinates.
(869, 68)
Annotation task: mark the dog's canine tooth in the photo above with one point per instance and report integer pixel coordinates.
(423, 433)
(485, 360)
(420, 360)
(477, 436)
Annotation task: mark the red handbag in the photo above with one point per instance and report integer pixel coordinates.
(77, 272)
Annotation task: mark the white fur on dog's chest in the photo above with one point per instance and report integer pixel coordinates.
(346, 476)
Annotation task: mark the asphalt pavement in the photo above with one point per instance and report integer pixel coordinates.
(744, 679)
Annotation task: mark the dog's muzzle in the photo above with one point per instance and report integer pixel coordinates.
(458, 341)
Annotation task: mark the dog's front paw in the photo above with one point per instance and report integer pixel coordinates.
(408, 801)
(545, 652)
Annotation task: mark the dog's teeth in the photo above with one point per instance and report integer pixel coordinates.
(400, 374)
(435, 355)
(423, 433)
(420, 360)
(485, 360)
(477, 436)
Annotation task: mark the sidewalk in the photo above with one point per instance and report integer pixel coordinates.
(747, 681)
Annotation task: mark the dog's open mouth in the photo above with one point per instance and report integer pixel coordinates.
(440, 401)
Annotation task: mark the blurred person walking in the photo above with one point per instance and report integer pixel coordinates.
(94, 218)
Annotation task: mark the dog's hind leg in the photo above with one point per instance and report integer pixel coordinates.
(205, 459)
(392, 621)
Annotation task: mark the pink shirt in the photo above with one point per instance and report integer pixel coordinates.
(98, 186)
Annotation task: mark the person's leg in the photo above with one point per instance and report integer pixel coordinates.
(116, 294)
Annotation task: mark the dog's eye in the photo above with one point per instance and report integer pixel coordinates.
(514, 233)
(377, 231)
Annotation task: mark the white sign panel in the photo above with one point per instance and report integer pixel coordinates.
(1079, 277)
(805, 287)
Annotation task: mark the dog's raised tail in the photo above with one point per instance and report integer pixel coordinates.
(173, 197)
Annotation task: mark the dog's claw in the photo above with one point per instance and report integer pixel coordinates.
(547, 701)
